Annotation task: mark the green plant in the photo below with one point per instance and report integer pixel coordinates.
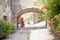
(57, 22)
(5, 28)
(44, 16)
(54, 7)
(58, 28)
(54, 11)
(28, 22)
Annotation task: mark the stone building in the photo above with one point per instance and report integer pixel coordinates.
(10, 9)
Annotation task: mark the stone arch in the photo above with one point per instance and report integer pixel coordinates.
(28, 10)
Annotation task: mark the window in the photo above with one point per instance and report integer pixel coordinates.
(4, 17)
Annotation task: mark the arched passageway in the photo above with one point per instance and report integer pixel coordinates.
(26, 11)
(29, 10)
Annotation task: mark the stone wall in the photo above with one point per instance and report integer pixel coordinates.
(10, 8)
(16, 8)
(5, 9)
(2, 9)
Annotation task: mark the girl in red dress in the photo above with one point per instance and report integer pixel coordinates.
(22, 24)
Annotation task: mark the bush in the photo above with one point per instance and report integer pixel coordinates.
(56, 23)
(5, 28)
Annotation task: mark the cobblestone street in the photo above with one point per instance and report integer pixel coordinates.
(38, 34)
(33, 33)
(18, 36)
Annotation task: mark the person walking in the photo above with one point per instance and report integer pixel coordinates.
(22, 24)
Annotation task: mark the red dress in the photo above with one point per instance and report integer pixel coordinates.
(22, 23)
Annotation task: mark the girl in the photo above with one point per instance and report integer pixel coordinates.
(22, 24)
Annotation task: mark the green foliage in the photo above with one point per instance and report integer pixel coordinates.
(38, 2)
(58, 28)
(44, 16)
(28, 22)
(54, 11)
(54, 7)
(5, 28)
(57, 22)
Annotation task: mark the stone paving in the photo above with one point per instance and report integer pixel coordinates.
(40, 34)
(18, 36)
(29, 34)
(37, 34)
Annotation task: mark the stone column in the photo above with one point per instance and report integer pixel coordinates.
(35, 17)
(16, 8)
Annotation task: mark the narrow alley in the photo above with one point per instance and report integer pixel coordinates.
(33, 33)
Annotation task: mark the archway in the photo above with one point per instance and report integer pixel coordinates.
(26, 11)
(29, 10)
